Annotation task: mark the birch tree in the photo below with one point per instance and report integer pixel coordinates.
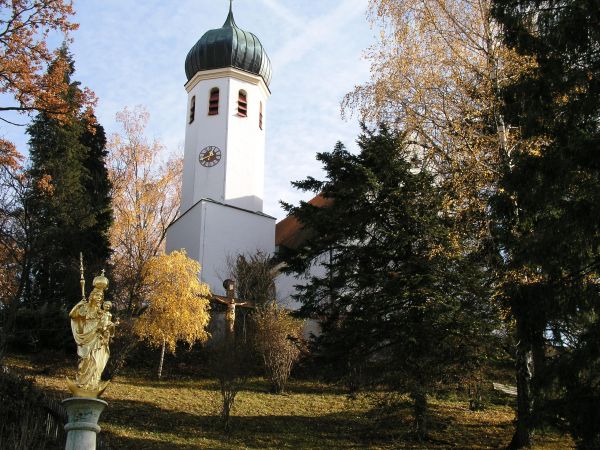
(177, 304)
(146, 196)
(436, 74)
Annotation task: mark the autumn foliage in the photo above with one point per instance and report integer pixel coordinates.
(31, 72)
(176, 303)
(146, 193)
(436, 73)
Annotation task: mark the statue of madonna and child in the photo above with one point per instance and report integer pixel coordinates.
(93, 328)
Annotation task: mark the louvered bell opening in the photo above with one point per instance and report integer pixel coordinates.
(193, 109)
(242, 105)
(213, 104)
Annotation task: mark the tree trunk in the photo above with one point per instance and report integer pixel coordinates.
(162, 359)
(420, 412)
(525, 398)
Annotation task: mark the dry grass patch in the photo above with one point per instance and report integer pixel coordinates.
(183, 414)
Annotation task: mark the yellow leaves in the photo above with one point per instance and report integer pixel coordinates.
(437, 73)
(525, 276)
(274, 327)
(145, 195)
(177, 302)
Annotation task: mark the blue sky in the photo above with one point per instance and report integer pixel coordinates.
(132, 52)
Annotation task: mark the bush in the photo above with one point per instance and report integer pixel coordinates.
(231, 365)
(278, 338)
(44, 328)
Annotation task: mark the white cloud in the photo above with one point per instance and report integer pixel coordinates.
(284, 13)
(318, 31)
(131, 52)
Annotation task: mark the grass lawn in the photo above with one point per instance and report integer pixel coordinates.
(183, 414)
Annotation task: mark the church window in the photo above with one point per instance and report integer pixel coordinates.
(192, 109)
(242, 104)
(213, 102)
(260, 117)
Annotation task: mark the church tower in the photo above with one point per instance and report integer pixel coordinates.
(228, 75)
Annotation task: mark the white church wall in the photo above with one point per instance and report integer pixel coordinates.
(184, 234)
(220, 231)
(233, 231)
(286, 287)
(286, 284)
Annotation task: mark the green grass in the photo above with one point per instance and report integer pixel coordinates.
(183, 414)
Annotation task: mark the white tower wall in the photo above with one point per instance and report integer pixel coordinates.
(238, 179)
(245, 173)
(221, 208)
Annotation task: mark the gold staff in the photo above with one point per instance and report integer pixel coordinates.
(82, 279)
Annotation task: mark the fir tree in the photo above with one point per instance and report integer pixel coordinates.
(399, 306)
(70, 199)
(548, 211)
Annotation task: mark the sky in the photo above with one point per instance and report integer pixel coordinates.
(132, 52)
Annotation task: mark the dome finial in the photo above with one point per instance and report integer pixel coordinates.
(230, 22)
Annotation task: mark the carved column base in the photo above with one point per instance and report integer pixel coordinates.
(82, 427)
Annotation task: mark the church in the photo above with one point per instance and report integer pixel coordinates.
(221, 215)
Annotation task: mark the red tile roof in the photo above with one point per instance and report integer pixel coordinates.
(290, 232)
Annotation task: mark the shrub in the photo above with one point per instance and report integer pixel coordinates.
(231, 365)
(278, 337)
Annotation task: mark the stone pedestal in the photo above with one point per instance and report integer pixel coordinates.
(82, 427)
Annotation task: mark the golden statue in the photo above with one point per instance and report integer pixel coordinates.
(92, 327)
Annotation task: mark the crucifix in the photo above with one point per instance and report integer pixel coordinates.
(231, 302)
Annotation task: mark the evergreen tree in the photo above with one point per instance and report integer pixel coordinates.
(70, 199)
(548, 210)
(398, 304)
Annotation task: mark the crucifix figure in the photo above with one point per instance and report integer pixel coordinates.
(231, 302)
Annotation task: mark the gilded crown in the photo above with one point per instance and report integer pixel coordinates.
(100, 282)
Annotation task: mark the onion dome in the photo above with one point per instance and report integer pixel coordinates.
(228, 46)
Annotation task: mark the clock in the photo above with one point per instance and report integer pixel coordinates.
(210, 156)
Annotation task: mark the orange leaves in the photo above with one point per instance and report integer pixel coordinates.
(9, 156)
(177, 301)
(44, 184)
(30, 72)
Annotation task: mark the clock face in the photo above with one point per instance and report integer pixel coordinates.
(210, 156)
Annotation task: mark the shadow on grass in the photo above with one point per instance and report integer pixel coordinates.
(156, 428)
(134, 424)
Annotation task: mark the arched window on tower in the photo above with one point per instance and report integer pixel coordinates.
(242, 104)
(193, 109)
(213, 102)
(260, 117)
